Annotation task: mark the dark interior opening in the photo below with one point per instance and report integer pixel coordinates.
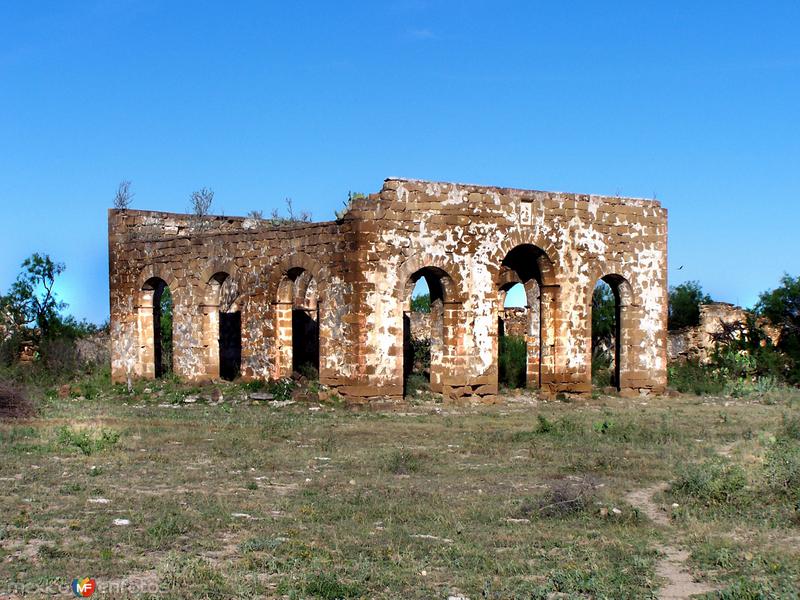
(230, 345)
(408, 351)
(305, 340)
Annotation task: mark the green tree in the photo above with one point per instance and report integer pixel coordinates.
(32, 300)
(684, 304)
(421, 303)
(165, 326)
(781, 307)
(603, 314)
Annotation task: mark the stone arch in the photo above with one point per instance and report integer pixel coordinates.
(443, 320)
(452, 286)
(221, 315)
(532, 266)
(290, 267)
(154, 358)
(549, 267)
(297, 338)
(626, 309)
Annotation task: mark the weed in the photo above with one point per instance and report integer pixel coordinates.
(259, 544)
(566, 497)
(172, 523)
(86, 442)
(716, 481)
(416, 384)
(329, 587)
(192, 577)
(790, 427)
(692, 377)
(782, 467)
(544, 425)
(403, 462)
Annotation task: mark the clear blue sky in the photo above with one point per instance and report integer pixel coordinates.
(697, 103)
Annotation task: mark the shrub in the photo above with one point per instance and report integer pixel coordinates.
(403, 462)
(329, 587)
(421, 350)
(692, 377)
(59, 356)
(14, 402)
(791, 427)
(10, 348)
(512, 363)
(602, 370)
(87, 443)
(416, 383)
(563, 497)
(715, 481)
(169, 525)
(782, 467)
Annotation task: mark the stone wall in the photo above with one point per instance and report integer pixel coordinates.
(471, 244)
(697, 343)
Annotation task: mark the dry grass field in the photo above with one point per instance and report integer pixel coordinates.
(605, 498)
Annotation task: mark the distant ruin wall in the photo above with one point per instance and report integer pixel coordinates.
(697, 343)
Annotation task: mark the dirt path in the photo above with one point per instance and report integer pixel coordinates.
(680, 583)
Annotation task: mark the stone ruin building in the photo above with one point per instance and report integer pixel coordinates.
(254, 299)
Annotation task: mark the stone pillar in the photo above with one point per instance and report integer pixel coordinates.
(550, 329)
(438, 345)
(210, 316)
(282, 312)
(146, 363)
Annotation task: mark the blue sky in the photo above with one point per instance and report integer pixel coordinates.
(697, 104)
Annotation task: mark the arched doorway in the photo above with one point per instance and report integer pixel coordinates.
(517, 327)
(156, 318)
(297, 313)
(526, 276)
(224, 327)
(424, 297)
(610, 339)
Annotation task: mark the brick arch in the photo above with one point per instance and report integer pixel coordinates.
(626, 321)
(219, 326)
(163, 273)
(298, 260)
(149, 352)
(542, 296)
(549, 268)
(451, 281)
(214, 267)
(445, 315)
(614, 277)
(281, 298)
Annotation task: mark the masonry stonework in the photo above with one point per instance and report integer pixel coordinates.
(351, 280)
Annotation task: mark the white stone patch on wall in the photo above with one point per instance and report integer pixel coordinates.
(647, 268)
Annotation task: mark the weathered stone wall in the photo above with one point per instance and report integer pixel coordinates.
(470, 242)
(420, 325)
(697, 343)
(516, 321)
